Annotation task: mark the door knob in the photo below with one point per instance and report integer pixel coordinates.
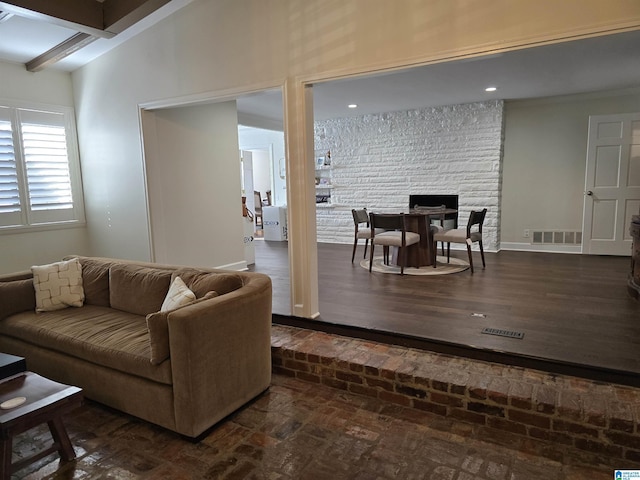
(590, 193)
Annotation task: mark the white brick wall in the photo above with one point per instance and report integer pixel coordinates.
(378, 160)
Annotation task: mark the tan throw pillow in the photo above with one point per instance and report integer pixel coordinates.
(16, 296)
(58, 285)
(159, 331)
(177, 296)
(200, 282)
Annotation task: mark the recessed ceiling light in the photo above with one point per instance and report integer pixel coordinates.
(352, 105)
(491, 89)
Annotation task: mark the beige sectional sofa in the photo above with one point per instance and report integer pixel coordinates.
(184, 369)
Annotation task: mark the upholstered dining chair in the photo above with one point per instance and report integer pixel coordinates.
(362, 230)
(469, 235)
(394, 234)
(258, 208)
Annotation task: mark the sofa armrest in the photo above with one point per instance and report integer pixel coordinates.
(220, 353)
(16, 293)
(10, 277)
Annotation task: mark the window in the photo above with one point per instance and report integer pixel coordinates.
(39, 168)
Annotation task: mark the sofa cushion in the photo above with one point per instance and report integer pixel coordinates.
(136, 289)
(200, 282)
(100, 335)
(95, 281)
(177, 296)
(16, 296)
(58, 285)
(158, 326)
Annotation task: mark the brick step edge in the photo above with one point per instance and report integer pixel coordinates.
(509, 404)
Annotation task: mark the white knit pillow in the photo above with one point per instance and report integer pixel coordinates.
(178, 295)
(58, 285)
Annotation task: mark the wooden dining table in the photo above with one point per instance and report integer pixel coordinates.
(422, 254)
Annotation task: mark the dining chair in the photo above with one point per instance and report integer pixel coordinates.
(467, 235)
(362, 230)
(445, 222)
(450, 220)
(258, 208)
(394, 234)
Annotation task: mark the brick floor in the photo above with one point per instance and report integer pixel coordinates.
(341, 408)
(556, 416)
(297, 430)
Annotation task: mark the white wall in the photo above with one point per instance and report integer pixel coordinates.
(19, 251)
(188, 53)
(251, 138)
(193, 178)
(378, 160)
(545, 158)
(49, 86)
(261, 171)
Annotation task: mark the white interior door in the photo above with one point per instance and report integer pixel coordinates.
(249, 222)
(612, 186)
(247, 178)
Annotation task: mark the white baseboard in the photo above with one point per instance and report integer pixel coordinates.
(549, 248)
(513, 246)
(238, 266)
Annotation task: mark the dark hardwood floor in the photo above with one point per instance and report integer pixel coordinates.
(573, 310)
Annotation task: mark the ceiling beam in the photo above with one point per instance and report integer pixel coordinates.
(60, 51)
(121, 14)
(80, 15)
(91, 18)
(4, 16)
(100, 19)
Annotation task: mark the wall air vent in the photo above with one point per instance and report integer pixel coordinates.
(556, 237)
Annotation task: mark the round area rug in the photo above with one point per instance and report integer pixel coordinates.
(442, 267)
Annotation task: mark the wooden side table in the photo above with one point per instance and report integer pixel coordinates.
(46, 401)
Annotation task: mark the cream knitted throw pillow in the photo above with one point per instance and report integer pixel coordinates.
(58, 285)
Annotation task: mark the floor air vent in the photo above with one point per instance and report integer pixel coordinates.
(502, 333)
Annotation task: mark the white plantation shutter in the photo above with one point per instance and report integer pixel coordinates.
(9, 191)
(45, 156)
(11, 213)
(39, 174)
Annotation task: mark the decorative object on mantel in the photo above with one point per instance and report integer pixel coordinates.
(327, 158)
(323, 178)
(633, 285)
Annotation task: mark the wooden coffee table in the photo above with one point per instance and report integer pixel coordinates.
(46, 401)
